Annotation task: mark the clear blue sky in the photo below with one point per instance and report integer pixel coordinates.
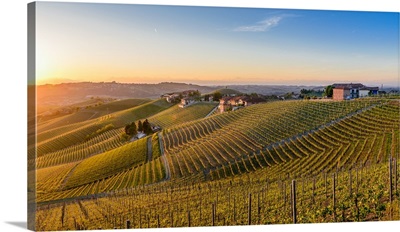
(210, 45)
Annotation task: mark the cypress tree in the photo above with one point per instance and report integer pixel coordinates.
(140, 126)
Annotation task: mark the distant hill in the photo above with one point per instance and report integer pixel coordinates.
(226, 91)
(270, 89)
(70, 93)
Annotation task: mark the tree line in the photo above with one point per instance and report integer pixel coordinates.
(144, 127)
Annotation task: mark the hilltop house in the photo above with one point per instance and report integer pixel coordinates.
(341, 93)
(367, 91)
(346, 91)
(176, 96)
(233, 103)
(170, 97)
(186, 102)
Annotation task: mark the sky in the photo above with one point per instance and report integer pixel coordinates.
(13, 23)
(214, 45)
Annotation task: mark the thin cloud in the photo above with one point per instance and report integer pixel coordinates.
(264, 25)
(261, 26)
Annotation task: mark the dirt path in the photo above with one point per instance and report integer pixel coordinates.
(164, 159)
(92, 115)
(212, 111)
(68, 176)
(149, 149)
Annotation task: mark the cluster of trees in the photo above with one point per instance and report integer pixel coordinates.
(216, 96)
(310, 94)
(132, 129)
(306, 91)
(288, 95)
(195, 94)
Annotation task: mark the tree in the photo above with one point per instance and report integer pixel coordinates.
(127, 127)
(140, 126)
(217, 96)
(130, 129)
(288, 95)
(206, 97)
(133, 129)
(147, 127)
(328, 91)
(306, 91)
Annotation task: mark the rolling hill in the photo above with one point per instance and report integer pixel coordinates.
(220, 161)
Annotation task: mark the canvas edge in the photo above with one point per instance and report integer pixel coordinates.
(31, 111)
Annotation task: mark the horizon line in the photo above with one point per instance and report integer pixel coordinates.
(199, 84)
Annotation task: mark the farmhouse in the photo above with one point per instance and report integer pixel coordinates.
(347, 91)
(170, 97)
(177, 96)
(368, 91)
(233, 103)
(341, 93)
(186, 102)
(190, 93)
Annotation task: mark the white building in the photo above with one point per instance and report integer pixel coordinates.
(186, 102)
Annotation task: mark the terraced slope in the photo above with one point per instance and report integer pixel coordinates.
(109, 163)
(123, 167)
(99, 144)
(222, 139)
(176, 115)
(218, 161)
(369, 137)
(73, 134)
(229, 201)
(88, 113)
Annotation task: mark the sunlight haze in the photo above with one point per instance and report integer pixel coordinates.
(214, 45)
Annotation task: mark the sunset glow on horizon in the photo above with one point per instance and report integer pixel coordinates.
(214, 45)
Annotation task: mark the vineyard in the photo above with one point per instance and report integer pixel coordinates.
(91, 112)
(242, 200)
(176, 115)
(105, 158)
(68, 135)
(276, 162)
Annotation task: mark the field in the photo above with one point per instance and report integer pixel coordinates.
(292, 161)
